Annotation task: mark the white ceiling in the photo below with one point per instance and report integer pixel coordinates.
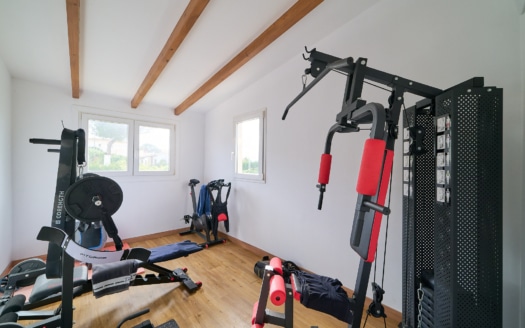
(120, 40)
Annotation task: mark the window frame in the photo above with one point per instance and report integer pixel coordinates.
(261, 175)
(133, 142)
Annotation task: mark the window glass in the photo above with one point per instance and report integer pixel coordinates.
(249, 146)
(118, 146)
(107, 144)
(154, 149)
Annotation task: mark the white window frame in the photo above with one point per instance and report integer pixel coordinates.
(261, 175)
(133, 143)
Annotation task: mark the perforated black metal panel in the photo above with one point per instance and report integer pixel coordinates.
(468, 260)
(452, 224)
(418, 211)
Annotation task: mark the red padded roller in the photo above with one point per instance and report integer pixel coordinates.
(277, 265)
(296, 293)
(371, 163)
(277, 290)
(324, 168)
(254, 312)
(254, 315)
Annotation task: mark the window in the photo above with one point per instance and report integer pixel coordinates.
(118, 146)
(154, 144)
(249, 146)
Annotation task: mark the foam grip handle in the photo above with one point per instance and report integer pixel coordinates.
(277, 265)
(324, 168)
(371, 164)
(277, 290)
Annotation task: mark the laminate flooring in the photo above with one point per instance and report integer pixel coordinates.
(230, 289)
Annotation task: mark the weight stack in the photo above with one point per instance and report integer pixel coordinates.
(427, 308)
(427, 300)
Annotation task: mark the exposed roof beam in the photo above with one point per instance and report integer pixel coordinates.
(73, 32)
(179, 33)
(300, 9)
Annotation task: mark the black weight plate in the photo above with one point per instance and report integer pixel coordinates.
(79, 200)
(87, 175)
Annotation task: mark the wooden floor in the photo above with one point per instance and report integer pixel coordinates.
(230, 289)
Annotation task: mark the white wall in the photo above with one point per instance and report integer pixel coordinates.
(437, 43)
(5, 166)
(151, 204)
(522, 34)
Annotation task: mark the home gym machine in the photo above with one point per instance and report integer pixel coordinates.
(372, 186)
(326, 294)
(208, 211)
(88, 198)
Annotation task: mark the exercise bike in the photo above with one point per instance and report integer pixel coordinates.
(208, 212)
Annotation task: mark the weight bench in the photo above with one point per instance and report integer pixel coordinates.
(44, 287)
(46, 291)
(143, 258)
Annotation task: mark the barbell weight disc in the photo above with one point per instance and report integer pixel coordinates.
(87, 175)
(88, 198)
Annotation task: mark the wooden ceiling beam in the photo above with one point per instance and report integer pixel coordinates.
(179, 33)
(73, 33)
(293, 15)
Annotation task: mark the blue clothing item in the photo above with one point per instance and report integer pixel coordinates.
(325, 295)
(204, 204)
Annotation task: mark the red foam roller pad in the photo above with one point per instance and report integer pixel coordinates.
(254, 312)
(222, 217)
(296, 293)
(277, 265)
(371, 163)
(277, 290)
(324, 168)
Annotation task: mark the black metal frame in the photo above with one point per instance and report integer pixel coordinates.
(355, 111)
(59, 264)
(265, 315)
